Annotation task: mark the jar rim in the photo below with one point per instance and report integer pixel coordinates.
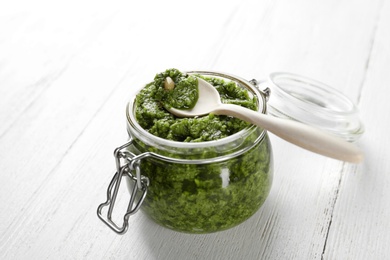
(262, 107)
(314, 103)
(344, 105)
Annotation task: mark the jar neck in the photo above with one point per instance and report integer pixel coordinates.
(236, 143)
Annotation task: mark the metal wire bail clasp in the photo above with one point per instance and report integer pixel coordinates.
(266, 90)
(127, 165)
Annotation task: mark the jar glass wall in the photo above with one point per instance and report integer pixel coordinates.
(207, 186)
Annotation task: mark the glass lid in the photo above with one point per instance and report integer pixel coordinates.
(313, 103)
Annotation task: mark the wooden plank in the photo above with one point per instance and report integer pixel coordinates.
(274, 222)
(51, 127)
(36, 49)
(43, 135)
(360, 225)
(300, 231)
(56, 181)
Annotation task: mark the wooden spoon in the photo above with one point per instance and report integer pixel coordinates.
(294, 132)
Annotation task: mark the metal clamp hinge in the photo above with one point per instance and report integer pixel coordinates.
(130, 169)
(266, 90)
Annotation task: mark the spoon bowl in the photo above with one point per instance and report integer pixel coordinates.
(208, 100)
(305, 136)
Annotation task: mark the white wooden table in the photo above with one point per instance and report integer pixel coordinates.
(67, 70)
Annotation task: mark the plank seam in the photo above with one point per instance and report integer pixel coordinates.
(331, 215)
(371, 48)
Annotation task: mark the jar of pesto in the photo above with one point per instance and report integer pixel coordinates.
(194, 187)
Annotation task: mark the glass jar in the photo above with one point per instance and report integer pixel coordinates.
(199, 187)
(313, 103)
(210, 186)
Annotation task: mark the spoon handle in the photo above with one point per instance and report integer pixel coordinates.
(305, 136)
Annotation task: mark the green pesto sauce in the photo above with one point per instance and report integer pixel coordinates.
(185, 93)
(210, 197)
(152, 115)
(201, 198)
